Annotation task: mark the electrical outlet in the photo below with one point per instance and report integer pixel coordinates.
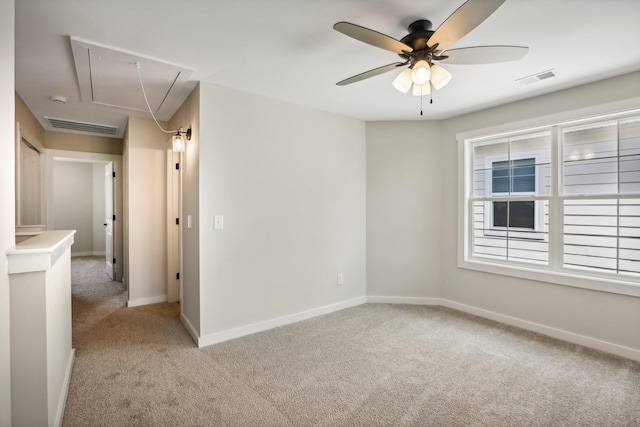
(340, 279)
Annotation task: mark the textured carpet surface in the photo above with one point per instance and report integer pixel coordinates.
(371, 365)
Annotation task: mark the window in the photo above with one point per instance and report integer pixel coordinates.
(563, 200)
(510, 184)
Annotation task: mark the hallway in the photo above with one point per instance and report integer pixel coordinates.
(94, 296)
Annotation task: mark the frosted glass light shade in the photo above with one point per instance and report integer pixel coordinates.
(421, 90)
(439, 76)
(421, 72)
(177, 143)
(403, 81)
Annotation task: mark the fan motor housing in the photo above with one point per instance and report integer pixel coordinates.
(419, 34)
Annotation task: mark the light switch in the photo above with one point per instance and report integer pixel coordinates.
(188, 221)
(218, 222)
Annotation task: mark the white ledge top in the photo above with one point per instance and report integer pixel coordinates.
(40, 252)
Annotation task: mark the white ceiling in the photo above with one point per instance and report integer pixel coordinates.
(287, 49)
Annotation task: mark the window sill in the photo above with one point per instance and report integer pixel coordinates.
(563, 278)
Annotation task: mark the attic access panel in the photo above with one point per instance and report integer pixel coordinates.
(108, 76)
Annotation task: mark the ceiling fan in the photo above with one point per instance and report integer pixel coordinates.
(422, 49)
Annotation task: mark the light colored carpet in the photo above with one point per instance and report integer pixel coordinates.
(372, 365)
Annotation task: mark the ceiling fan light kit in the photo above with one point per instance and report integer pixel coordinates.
(421, 72)
(403, 82)
(421, 90)
(439, 76)
(423, 48)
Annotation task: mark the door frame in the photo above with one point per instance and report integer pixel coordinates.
(52, 155)
(109, 236)
(174, 226)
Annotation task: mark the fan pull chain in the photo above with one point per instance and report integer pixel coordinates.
(430, 93)
(421, 104)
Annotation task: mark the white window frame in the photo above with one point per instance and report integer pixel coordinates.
(552, 273)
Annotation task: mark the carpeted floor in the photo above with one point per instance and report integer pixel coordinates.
(371, 365)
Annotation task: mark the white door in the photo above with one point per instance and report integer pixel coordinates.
(108, 203)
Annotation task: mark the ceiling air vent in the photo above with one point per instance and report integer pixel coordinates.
(92, 128)
(537, 77)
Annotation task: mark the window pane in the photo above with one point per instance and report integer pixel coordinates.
(537, 147)
(630, 156)
(519, 178)
(521, 214)
(602, 235)
(482, 168)
(523, 175)
(486, 243)
(500, 177)
(590, 159)
(516, 244)
(629, 242)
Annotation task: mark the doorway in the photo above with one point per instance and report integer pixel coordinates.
(84, 194)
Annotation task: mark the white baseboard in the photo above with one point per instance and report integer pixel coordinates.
(404, 300)
(62, 403)
(607, 347)
(146, 301)
(75, 254)
(219, 337)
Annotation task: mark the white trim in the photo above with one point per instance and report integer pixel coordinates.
(146, 301)
(94, 253)
(571, 337)
(62, 402)
(378, 299)
(608, 347)
(241, 331)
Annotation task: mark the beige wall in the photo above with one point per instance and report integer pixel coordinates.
(73, 203)
(63, 140)
(290, 183)
(7, 196)
(80, 142)
(188, 116)
(404, 190)
(146, 214)
(28, 123)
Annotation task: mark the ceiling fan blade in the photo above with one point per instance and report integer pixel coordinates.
(484, 54)
(467, 17)
(371, 37)
(371, 73)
